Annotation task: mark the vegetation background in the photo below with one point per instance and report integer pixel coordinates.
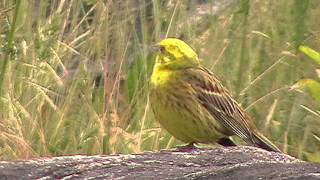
(74, 74)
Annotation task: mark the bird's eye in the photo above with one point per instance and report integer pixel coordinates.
(162, 50)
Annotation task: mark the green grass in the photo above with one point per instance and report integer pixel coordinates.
(74, 74)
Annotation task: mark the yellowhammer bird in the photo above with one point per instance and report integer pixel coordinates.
(192, 105)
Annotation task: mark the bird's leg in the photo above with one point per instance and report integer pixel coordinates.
(187, 148)
(226, 142)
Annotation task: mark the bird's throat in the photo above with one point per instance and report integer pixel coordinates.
(161, 76)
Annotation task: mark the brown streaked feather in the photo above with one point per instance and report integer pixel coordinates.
(218, 101)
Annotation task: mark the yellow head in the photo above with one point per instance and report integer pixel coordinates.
(175, 54)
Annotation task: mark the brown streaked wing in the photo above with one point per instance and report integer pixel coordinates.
(217, 100)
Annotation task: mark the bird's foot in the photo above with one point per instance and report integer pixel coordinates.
(186, 148)
(226, 142)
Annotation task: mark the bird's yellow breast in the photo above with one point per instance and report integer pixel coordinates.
(177, 110)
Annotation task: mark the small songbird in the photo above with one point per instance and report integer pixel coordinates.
(192, 105)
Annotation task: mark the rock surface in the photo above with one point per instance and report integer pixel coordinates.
(239, 162)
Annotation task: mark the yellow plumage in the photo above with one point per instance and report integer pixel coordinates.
(192, 105)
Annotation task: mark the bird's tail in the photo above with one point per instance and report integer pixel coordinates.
(264, 143)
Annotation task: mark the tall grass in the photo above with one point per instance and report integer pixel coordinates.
(74, 74)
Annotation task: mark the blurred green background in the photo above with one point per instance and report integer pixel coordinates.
(74, 74)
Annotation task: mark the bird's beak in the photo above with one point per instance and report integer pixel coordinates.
(154, 48)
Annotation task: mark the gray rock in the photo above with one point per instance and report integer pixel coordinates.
(240, 162)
